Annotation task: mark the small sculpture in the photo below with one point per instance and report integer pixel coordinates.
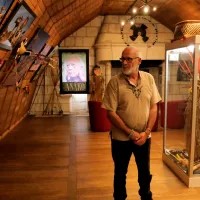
(3, 8)
(96, 85)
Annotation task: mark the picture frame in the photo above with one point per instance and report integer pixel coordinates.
(38, 41)
(4, 8)
(16, 26)
(27, 78)
(19, 71)
(2, 62)
(74, 70)
(38, 72)
(52, 51)
(46, 50)
(37, 65)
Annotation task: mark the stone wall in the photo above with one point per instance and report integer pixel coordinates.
(103, 39)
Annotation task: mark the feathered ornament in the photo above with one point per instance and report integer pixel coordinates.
(139, 29)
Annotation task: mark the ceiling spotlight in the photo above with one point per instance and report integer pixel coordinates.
(154, 8)
(146, 9)
(134, 10)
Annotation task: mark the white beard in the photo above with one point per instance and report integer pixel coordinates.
(131, 71)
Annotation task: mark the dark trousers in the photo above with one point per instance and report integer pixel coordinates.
(121, 153)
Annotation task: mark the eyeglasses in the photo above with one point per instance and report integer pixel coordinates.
(128, 59)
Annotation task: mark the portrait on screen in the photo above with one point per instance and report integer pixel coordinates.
(74, 71)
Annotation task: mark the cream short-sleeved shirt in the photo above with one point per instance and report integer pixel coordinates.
(131, 103)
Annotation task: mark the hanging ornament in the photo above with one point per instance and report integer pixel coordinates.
(27, 89)
(138, 30)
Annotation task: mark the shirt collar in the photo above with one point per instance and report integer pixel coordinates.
(127, 78)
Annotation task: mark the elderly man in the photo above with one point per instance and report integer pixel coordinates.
(131, 101)
(73, 69)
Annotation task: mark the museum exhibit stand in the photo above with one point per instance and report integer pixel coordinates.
(180, 111)
(98, 117)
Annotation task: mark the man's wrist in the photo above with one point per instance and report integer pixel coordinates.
(148, 131)
(131, 134)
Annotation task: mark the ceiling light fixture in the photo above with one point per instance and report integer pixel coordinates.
(137, 15)
(146, 7)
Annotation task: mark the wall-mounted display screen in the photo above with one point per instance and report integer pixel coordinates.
(74, 66)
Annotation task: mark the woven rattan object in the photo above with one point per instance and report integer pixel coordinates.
(186, 29)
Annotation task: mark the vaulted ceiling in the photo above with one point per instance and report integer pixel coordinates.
(66, 16)
(169, 12)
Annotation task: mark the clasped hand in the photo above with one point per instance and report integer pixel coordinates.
(139, 138)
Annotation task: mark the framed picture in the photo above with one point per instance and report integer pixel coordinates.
(74, 65)
(37, 43)
(4, 7)
(35, 65)
(38, 73)
(46, 49)
(2, 61)
(52, 51)
(38, 62)
(18, 23)
(19, 71)
(7, 65)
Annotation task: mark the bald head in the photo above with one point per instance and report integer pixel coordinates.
(130, 61)
(132, 51)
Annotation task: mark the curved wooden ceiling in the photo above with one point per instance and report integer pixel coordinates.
(67, 16)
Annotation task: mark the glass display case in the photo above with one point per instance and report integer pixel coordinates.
(180, 111)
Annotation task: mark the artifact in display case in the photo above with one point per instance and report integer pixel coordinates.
(181, 110)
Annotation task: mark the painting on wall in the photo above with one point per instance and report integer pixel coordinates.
(2, 61)
(4, 7)
(46, 49)
(39, 66)
(52, 51)
(74, 65)
(17, 25)
(35, 65)
(37, 43)
(39, 71)
(19, 71)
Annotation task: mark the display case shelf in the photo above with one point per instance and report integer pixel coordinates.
(181, 113)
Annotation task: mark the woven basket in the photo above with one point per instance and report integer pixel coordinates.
(186, 29)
